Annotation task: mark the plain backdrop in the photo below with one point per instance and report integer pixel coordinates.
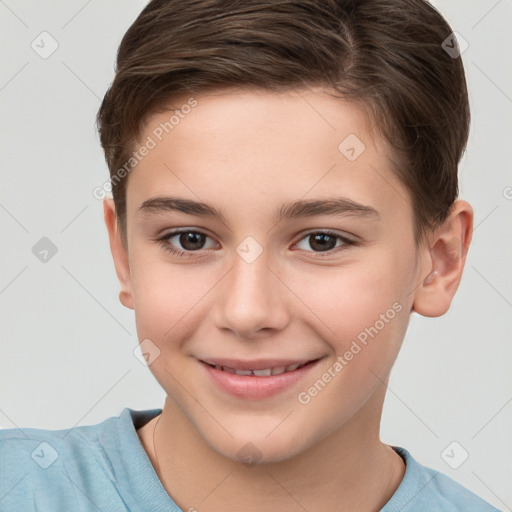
(66, 341)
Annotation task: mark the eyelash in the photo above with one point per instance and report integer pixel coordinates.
(164, 242)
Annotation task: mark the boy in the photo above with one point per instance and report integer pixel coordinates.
(284, 196)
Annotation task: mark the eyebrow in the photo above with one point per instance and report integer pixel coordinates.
(339, 206)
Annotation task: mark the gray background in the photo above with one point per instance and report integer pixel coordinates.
(66, 341)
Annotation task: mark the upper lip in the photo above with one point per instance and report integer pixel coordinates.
(257, 364)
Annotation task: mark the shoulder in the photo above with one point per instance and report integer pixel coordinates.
(41, 467)
(56, 461)
(425, 489)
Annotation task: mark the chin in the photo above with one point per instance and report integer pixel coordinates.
(255, 449)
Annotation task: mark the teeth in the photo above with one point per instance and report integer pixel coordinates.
(243, 372)
(278, 370)
(263, 373)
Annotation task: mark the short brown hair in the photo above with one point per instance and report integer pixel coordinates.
(387, 55)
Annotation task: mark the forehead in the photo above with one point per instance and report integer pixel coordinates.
(246, 146)
(257, 116)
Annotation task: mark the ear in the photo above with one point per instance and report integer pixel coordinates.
(119, 253)
(447, 249)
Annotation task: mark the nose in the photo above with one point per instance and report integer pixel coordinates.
(251, 299)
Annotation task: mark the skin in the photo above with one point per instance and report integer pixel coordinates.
(247, 153)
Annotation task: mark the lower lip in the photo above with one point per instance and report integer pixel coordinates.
(246, 386)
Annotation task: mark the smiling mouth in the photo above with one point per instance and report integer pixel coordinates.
(264, 372)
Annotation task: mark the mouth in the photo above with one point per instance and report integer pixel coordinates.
(257, 379)
(259, 372)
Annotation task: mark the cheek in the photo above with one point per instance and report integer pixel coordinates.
(362, 304)
(366, 314)
(168, 302)
(167, 299)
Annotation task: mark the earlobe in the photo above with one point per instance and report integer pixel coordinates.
(447, 247)
(119, 253)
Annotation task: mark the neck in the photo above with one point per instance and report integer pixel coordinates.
(349, 470)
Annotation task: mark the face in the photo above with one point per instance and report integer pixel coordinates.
(266, 231)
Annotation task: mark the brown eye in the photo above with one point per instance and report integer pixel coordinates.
(191, 240)
(186, 242)
(323, 242)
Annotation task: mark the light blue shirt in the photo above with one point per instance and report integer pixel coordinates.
(104, 468)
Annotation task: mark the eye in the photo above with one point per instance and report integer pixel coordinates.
(324, 242)
(188, 241)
